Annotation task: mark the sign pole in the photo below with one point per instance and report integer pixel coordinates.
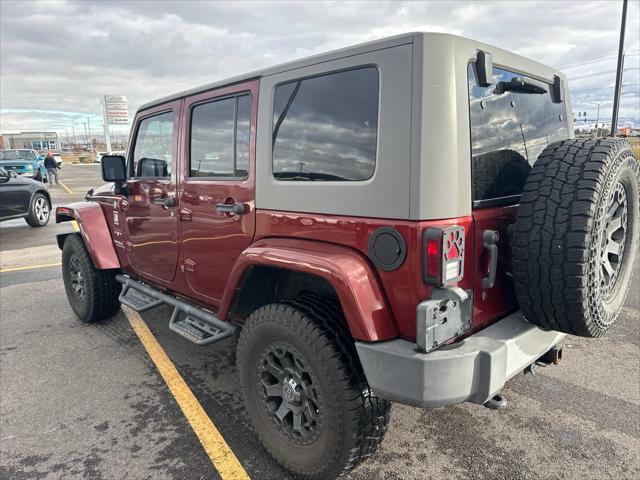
(105, 124)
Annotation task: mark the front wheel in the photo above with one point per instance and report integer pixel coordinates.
(39, 211)
(305, 391)
(92, 293)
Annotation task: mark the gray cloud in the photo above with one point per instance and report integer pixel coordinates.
(56, 58)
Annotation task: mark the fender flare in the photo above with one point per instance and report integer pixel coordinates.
(356, 283)
(94, 231)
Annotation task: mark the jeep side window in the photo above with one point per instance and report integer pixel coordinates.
(220, 132)
(153, 150)
(509, 129)
(326, 127)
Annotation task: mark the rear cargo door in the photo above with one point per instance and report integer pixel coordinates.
(510, 127)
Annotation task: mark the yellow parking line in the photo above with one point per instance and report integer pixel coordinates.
(65, 187)
(214, 444)
(76, 227)
(30, 267)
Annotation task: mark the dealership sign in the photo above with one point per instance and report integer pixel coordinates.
(114, 109)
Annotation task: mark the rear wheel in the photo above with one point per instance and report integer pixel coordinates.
(39, 211)
(305, 391)
(576, 236)
(92, 293)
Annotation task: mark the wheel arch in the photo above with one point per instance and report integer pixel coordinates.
(276, 269)
(94, 231)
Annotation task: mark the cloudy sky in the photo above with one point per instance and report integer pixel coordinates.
(57, 58)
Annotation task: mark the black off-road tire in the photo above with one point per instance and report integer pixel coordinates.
(351, 420)
(564, 234)
(98, 298)
(35, 218)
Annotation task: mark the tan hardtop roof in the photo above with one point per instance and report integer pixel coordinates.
(314, 59)
(380, 44)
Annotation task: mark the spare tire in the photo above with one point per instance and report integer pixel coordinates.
(576, 235)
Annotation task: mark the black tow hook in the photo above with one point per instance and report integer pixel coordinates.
(497, 402)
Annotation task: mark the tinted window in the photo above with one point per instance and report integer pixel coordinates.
(508, 132)
(325, 128)
(153, 150)
(220, 138)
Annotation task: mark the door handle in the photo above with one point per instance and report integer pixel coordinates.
(233, 208)
(165, 202)
(490, 240)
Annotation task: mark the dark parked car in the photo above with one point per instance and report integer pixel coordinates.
(22, 197)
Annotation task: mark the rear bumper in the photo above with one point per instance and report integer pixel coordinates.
(474, 369)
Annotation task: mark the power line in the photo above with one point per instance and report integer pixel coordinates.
(585, 62)
(579, 77)
(594, 60)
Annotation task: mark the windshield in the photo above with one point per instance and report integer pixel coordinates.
(18, 155)
(512, 121)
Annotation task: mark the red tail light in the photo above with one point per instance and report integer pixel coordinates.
(443, 262)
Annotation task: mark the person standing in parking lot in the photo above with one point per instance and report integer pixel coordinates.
(52, 169)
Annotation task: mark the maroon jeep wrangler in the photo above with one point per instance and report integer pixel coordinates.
(406, 220)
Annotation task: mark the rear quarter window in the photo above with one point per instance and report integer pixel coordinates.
(509, 130)
(326, 127)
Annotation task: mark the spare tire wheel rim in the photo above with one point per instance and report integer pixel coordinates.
(287, 387)
(612, 239)
(42, 210)
(77, 279)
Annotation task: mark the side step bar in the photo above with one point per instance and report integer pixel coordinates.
(198, 325)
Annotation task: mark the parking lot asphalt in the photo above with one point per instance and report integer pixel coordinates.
(87, 401)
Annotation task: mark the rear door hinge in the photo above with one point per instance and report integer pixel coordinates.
(185, 215)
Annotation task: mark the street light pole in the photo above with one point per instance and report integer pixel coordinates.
(597, 116)
(616, 95)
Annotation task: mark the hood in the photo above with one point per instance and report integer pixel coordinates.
(106, 189)
(17, 163)
(22, 180)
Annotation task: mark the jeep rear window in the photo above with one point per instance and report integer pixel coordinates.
(325, 128)
(508, 132)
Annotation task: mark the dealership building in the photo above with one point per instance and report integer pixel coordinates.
(36, 140)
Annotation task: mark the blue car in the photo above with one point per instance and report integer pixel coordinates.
(25, 162)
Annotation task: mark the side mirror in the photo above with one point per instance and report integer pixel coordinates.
(114, 169)
(4, 176)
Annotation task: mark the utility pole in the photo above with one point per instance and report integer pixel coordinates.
(89, 128)
(616, 95)
(75, 142)
(86, 135)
